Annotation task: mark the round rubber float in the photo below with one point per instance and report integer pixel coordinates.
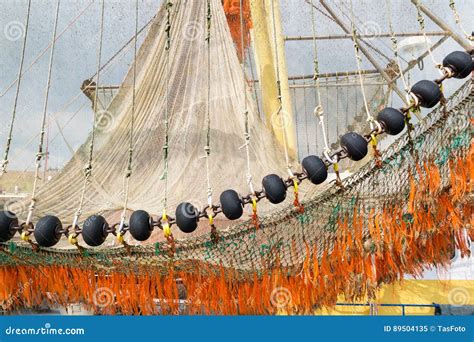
(187, 217)
(428, 93)
(315, 169)
(8, 221)
(275, 188)
(48, 231)
(140, 226)
(231, 204)
(392, 120)
(355, 145)
(460, 63)
(94, 230)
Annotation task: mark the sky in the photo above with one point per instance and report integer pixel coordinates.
(75, 58)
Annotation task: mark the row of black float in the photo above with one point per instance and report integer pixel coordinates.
(49, 229)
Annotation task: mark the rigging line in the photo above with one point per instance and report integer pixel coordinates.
(305, 117)
(46, 49)
(457, 19)
(395, 46)
(40, 153)
(168, 73)
(370, 118)
(88, 168)
(246, 111)
(128, 172)
(421, 22)
(207, 148)
(4, 162)
(318, 110)
(279, 112)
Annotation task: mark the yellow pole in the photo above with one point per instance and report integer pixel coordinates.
(265, 58)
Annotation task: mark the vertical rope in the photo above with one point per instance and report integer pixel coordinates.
(421, 22)
(4, 163)
(128, 172)
(457, 19)
(370, 118)
(279, 112)
(246, 112)
(207, 148)
(40, 153)
(88, 167)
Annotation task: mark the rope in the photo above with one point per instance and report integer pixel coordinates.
(207, 148)
(319, 110)
(3, 167)
(128, 172)
(88, 168)
(421, 22)
(246, 112)
(457, 18)
(40, 153)
(370, 118)
(406, 83)
(282, 119)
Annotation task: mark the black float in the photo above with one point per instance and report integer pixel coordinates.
(187, 217)
(460, 63)
(231, 204)
(8, 221)
(140, 225)
(392, 120)
(275, 188)
(355, 145)
(315, 169)
(427, 92)
(95, 230)
(48, 231)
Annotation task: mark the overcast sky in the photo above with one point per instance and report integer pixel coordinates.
(76, 53)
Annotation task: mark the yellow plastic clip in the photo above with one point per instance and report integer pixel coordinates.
(211, 219)
(120, 237)
(336, 167)
(166, 226)
(295, 185)
(72, 239)
(254, 205)
(25, 236)
(373, 140)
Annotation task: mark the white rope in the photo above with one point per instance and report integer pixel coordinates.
(421, 22)
(40, 153)
(319, 110)
(279, 111)
(246, 112)
(370, 118)
(88, 167)
(207, 148)
(128, 172)
(3, 167)
(457, 19)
